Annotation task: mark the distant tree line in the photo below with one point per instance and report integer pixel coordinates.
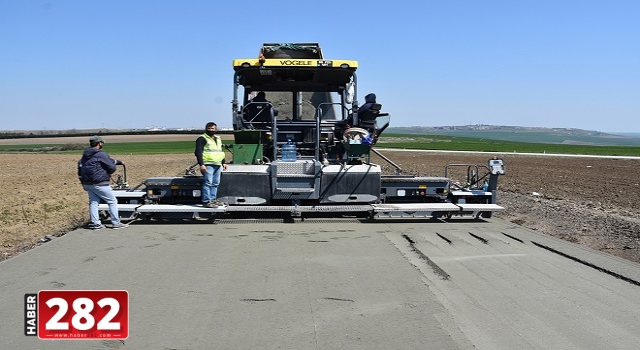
(102, 132)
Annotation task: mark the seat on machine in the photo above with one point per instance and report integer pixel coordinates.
(367, 120)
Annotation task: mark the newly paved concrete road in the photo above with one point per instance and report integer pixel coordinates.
(336, 283)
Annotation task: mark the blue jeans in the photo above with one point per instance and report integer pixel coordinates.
(210, 182)
(104, 192)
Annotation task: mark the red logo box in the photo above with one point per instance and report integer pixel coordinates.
(83, 314)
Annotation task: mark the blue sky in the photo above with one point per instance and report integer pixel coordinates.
(140, 63)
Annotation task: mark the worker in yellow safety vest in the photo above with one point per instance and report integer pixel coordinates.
(211, 159)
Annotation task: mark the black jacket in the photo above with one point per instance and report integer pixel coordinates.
(95, 167)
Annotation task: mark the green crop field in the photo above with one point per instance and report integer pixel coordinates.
(173, 147)
(524, 134)
(406, 141)
(452, 143)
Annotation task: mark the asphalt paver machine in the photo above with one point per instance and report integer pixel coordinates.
(303, 150)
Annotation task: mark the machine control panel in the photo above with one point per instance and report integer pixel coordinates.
(496, 166)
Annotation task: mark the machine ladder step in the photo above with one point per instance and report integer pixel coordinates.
(295, 190)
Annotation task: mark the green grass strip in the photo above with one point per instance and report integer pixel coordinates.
(452, 143)
(406, 141)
